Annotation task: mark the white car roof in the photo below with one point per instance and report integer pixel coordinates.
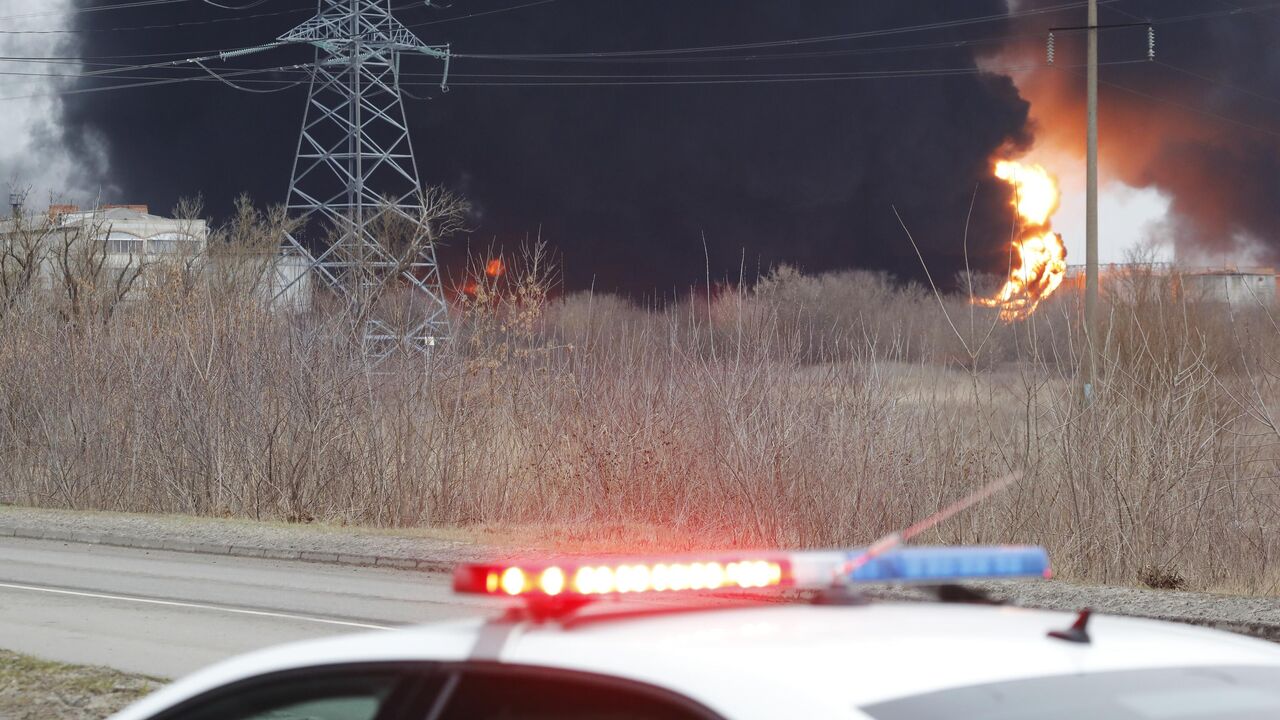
(772, 661)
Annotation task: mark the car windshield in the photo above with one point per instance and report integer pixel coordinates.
(1194, 693)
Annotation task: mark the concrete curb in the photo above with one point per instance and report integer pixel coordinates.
(199, 548)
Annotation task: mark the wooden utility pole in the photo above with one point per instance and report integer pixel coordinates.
(1091, 209)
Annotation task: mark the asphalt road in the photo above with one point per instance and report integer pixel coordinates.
(166, 614)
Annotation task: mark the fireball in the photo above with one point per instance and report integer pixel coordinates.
(1035, 194)
(1039, 255)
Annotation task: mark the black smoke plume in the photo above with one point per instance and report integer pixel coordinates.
(625, 180)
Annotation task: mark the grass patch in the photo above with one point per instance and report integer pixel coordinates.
(31, 688)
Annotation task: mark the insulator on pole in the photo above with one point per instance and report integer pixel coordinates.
(248, 51)
(444, 79)
(1151, 42)
(1049, 49)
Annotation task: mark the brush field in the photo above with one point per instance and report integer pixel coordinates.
(793, 411)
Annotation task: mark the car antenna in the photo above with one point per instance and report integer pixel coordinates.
(894, 539)
(1079, 630)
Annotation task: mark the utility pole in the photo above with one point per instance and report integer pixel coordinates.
(1091, 208)
(1091, 335)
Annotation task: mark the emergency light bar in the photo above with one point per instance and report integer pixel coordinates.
(584, 578)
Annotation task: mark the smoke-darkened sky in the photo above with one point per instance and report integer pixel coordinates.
(774, 161)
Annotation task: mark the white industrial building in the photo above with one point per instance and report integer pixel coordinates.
(130, 236)
(132, 230)
(1237, 286)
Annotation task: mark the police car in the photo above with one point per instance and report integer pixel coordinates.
(690, 637)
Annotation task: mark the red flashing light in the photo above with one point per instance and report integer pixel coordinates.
(595, 579)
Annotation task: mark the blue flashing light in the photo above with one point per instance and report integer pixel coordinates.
(948, 564)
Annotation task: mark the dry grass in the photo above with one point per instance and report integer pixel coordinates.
(805, 411)
(32, 688)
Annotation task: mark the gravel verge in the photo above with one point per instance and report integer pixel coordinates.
(243, 538)
(31, 689)
(1256, 616)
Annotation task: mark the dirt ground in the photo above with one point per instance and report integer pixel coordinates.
(32, 689)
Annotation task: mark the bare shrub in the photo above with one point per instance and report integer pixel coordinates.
(1161, 578)
(24, 249)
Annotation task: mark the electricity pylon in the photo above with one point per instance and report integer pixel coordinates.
(354, 174)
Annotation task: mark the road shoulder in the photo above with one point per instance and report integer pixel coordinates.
(432, 551)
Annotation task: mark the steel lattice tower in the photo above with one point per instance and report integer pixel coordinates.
(355, 165)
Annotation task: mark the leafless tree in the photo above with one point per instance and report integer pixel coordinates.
(243, 254)
(376, 271)
(91, 283)
(24, 247)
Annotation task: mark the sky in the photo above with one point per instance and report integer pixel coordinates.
(653, 143)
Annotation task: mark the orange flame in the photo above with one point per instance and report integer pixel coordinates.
(495, 268)
(1041, 262)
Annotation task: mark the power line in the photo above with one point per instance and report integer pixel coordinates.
(118, 72)
(658, 55)
(758, 57)
(882, 32)
(209, 54)
(1219, 83)
(664, 78)
(480, 13)
(91, 58)
(150, 83)
(111, 71)
(247, 6)
(629, 56)
(1192, 108)
(580, 57)
(1184, 106)
(223, 79)
(1233, 10)
(551, 80)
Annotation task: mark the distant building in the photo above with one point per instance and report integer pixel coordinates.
(1237, 286)
(130, 236)
(128, 232)
(132, 230)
